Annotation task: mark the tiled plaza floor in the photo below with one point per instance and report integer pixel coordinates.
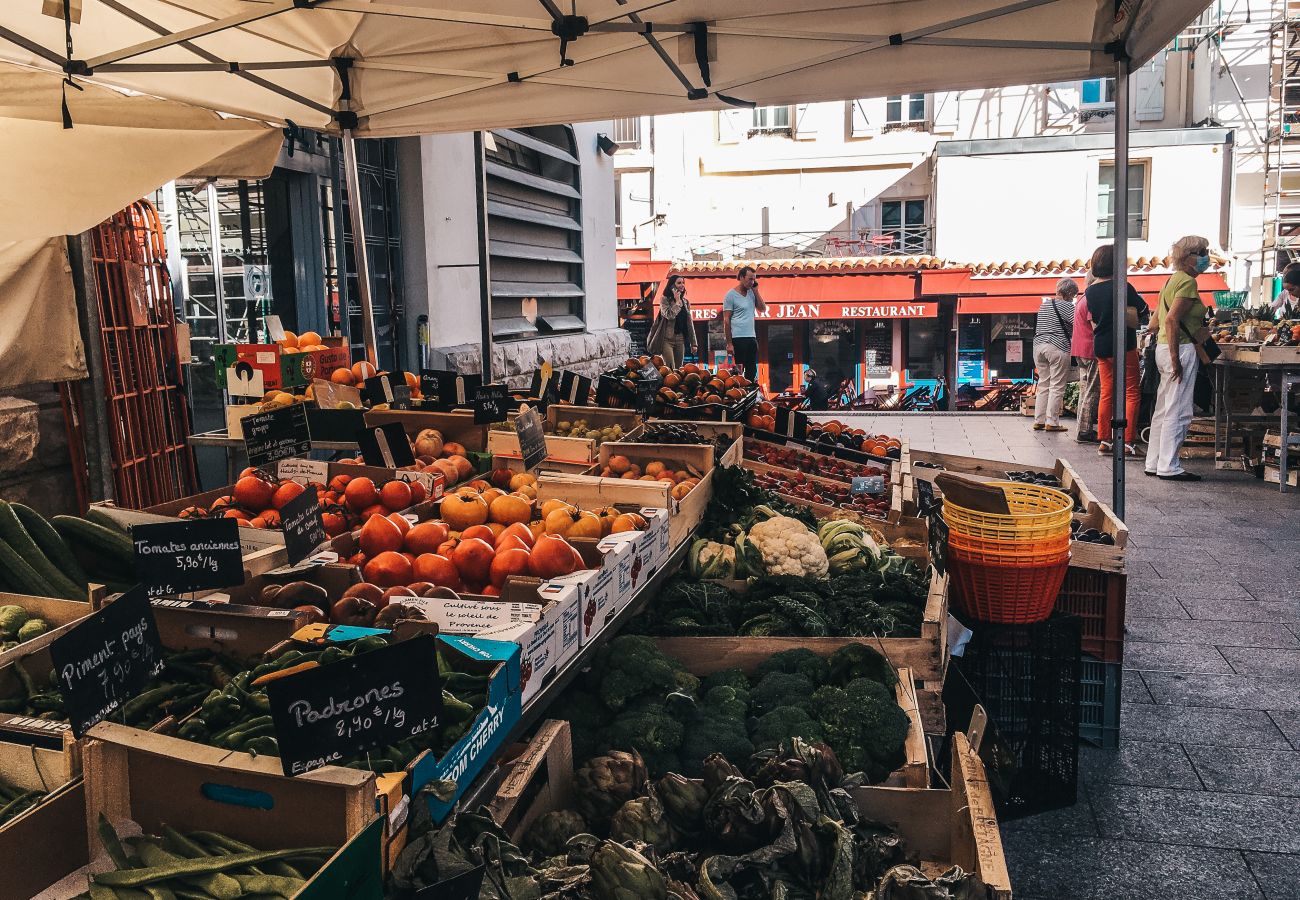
(1202, 798)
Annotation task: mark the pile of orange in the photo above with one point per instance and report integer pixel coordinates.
(300, 343)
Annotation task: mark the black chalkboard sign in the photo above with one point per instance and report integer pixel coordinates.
(490, 404)
(532, 438)
(386, 446)
(383, 388)
(279, 434)
(107, 659)
(375, 699)
(303, 529)
(646, 392)
(638, 330)
(611, 393)
(179, 557)
(575, 388)
(545, 386)
(791, 423)
(444, 390)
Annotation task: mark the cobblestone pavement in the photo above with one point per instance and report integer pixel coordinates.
(1202, 798)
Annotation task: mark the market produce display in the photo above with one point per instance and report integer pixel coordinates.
(199, 864)
(682, 476)
(810, 463)
(635, 698)
(236, 716)
(781, 824)
(59, 557)
(434, 454)
(694, 385)
(17, 626)
(576, 427)
(681, 433)
(837, 433)
(816, 490)
(1259, 326)
(762, 415)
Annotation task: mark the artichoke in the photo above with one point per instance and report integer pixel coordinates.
(620, 873)
(735, 818)
(678, 890)
(32, 628)
(717, 770)
(643, 820)
(683, 799)
(549, 835)
(12, 618)
(605, 783)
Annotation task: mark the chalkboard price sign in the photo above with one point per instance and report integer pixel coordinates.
(646, 391)
(386, 446)
(326, 714)
(444, 390)
(279, 434)
(179, 557)
(867, 484)
(382, 389)
(575, 388)
(303, 529)
(107, 659)
(532, 439)
(490, 404)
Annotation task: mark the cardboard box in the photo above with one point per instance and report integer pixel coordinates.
(305, 471)
(235, 414)
(274, 369)
(151, 779)
(629, 552)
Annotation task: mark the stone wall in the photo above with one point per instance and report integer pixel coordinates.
(515, 362)
(35, 467)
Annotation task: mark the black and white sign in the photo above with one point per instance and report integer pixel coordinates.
(279, 434)
(791, 423)
(532, 438)
(386, 446)
(575, 388)
(610, 392)
(303, 530)
(646, 392)
(180, 557)
(867, 484)
(490, 404)
(445, 390)
(378, 698)
(107, 659)
(383, 389)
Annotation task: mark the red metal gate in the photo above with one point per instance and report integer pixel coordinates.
(147, 412)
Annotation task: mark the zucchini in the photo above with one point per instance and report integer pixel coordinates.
(23, 578)
(53, 546)
(113, 544)
(12, 530)
(99, 517)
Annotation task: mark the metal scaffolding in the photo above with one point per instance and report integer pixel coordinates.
(1282, 139)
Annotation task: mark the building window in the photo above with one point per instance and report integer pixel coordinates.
(627, 133)
(1137, 192)
(534, 202)
(902, 223)
(905, 109)
(1097, 93)
(770, 120)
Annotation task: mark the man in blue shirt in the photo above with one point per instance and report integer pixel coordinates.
(738, 310)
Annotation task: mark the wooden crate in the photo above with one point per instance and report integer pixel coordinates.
(895, 490)
(947, 827)
(701, 655)
(61, 615)
(926, 656)
(515, 463)
(455, 426)
(1261, 354)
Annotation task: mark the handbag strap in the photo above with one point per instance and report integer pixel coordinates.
(1191, 337)
(1068, 332)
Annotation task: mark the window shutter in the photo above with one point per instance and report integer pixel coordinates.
(943, 108)
(867, 117)
(805, 122)
(1062, 102)
(731, 125)
(1149, 91)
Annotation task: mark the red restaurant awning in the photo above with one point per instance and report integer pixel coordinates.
(895, 309)
(638, 274)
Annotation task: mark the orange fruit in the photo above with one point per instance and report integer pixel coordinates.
(308, 339)
(395, 495)
(290, 340)
(362, 370)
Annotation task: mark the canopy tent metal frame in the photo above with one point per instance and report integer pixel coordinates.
(347, 113)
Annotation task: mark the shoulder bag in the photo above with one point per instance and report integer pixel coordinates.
(1207, 351)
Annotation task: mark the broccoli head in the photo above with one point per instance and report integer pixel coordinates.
(587, 717)
(770, 729)
(864, 725)
(800, 661)
(648, 728)
(779, 689)
(859, 661)
(732, 678)
(713, 734)
(631, 666)
(726, 702)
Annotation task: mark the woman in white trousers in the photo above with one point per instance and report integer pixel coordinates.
(1180, 320)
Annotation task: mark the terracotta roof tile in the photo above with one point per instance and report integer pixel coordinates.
(850, 264)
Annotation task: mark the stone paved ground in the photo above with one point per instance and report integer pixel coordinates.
(1202, 798)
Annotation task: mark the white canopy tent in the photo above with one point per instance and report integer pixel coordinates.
(403, 67)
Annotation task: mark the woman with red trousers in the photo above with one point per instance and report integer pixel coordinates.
(1101, 307)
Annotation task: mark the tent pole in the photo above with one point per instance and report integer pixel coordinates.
(356, 212)
(1120, 281)
(484, 257)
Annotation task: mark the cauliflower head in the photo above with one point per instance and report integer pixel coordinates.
(789, 548)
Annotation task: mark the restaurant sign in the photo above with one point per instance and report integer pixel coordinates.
(837, 310)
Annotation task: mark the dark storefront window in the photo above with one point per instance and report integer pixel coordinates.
(1011, 346)
(926, 353)
(878, 348)
(377, 168)
(834, 351)
(780, 356)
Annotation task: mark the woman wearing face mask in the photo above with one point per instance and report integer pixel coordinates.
(1180, 318)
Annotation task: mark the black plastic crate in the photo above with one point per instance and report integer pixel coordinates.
(1100, 686)
(1027, 677)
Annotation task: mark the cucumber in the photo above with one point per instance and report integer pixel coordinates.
(53, 546)
(113, 544)
(99, 517)
(18, 537)
(21, 576)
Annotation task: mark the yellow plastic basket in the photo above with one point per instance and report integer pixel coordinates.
(1037, 513)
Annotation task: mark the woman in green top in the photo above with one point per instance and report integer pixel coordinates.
(1180, 320)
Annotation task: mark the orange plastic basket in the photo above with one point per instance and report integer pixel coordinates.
(1005, 594)
(1010, 553)
(1036, 513)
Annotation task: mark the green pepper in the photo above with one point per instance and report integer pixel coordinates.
(464, 683)
(263, 745)
(220, 709)
(195, 730)
(134, 710)
(368, 643)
